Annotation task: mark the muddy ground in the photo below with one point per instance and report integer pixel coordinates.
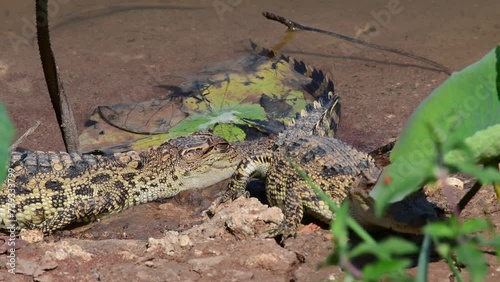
(118, 56)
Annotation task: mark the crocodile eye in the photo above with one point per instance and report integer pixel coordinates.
(222, 146)
(192, 154)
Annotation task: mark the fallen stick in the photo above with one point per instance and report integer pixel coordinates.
(58, 97)
(293, 26)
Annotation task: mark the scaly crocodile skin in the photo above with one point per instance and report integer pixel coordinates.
(338, 169)
(49, 191)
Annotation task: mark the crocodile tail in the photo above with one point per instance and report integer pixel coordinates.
(328, 124)
(320, 85)
(323, 115)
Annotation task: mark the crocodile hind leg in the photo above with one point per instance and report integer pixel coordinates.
(293, 211)
(297, 202)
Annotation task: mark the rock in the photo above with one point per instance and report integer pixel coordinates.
(204, 264)
(63, 250)
(31, 236)
(243, 217)
(171, 243)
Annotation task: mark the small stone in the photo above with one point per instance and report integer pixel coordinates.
(31, 236)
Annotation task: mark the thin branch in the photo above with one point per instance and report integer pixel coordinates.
(58, 96)
(293, 26)
(467, 197)
(25, 135)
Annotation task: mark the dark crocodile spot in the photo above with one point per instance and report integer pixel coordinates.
(31, 200)
(23, 156)
(44, 168)
(317, 152)
(59, 200)
(20, 190)
(293, 146)
(84, 191)
(100, 178)
(53, 185)
(82, 165)
(330, 171)
(299, 67)
(317, 79)
(72, 172)
(22, 179)
(118, 185)
(129, 176)
(175, 177)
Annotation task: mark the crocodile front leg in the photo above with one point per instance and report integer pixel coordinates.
(248, 168)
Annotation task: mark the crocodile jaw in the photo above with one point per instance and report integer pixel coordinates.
(208, 175)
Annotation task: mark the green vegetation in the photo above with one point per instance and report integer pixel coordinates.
(456, 129)
(6, 135)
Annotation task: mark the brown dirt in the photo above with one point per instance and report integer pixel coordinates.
(119, 57)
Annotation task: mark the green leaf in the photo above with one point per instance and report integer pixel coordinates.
(423, 259)
(466, 103)
(494, 242)
(385, 249)
(441, 230)
(6, 135)
(339, 224)
(475, 225)
(375, 271)
(473, 258)
(230, 132)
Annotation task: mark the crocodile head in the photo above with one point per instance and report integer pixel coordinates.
(203, 159)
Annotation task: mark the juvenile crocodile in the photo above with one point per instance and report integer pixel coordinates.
(338, 169)
(49, 191)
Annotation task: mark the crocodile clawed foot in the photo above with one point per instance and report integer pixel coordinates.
(233, 195)
(283, 230)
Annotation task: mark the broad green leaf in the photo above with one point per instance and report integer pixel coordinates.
(230, 132)
(466, 103)
(469, 254)
(6, 135)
